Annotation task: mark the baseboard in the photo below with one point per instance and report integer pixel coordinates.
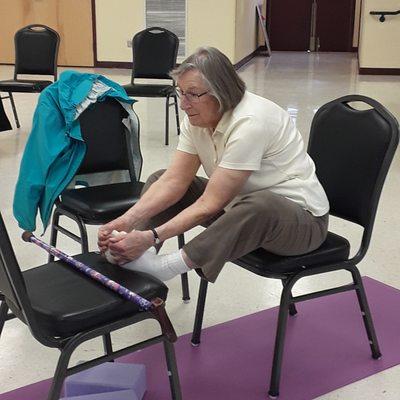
(128, 65)
(259, 50)
(113, 64)
(379, 71)
(60, 65)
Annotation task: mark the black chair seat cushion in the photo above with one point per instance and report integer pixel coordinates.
(149, 90)
(66, 301)
(261, 262)
(23, 86)
(100, 204)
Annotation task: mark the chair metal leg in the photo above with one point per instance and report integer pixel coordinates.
(280, 341)
(167, 121)
(185, 287)
(184, 277)
(3, 314)
(60, 373)
(84, 235)
(14, 109)
(366, 313)
(292, 306)
(198, 321)
(173, 374)
(54, 232)
(292, 309)
(55, 227)
(181, 240)
(107, 344)
(178, 128)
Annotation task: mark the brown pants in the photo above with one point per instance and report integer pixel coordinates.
(259, 219)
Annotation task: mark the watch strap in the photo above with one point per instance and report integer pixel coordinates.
(156, 237)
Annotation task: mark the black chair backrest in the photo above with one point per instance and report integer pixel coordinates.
(109, 146)
(12, 284)
(36, 50)
(12, 287)
(352, 150)
(154, 53)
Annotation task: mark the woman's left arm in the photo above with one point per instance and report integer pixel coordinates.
(221, 189)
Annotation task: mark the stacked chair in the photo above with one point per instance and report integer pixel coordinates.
(36, 52)
(154, 56)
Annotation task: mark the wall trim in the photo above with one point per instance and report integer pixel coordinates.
(258, 51)
(379, 71)
(128, 65)
(113, 64)
(59, 65)
(94, 33)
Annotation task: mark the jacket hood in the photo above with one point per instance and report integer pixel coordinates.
(73, 87)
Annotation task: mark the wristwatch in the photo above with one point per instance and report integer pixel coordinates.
(156, 237)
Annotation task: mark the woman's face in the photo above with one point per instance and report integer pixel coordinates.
(202, 111)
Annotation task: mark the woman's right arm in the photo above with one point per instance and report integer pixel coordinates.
(163, 193)
(168, 189)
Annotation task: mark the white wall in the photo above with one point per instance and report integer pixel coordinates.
(211, 23)
(357, 15)
(246, 38)
(229, 25)
(379, 45)
(116, 22)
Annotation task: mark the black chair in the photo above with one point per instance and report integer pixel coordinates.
(110, 147)
(154, 56)
(64, 308)
(36, 51)
(352, 150)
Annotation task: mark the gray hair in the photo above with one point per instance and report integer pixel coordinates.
(218, 74)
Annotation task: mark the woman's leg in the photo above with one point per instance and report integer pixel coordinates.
(259, 219)
(194, 191)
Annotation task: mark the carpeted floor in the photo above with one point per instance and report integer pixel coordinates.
(326, 348)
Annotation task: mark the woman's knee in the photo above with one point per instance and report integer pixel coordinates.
(154, 177)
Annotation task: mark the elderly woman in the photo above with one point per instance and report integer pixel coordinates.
(262, 189)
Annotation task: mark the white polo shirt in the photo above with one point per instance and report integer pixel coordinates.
(260, 136)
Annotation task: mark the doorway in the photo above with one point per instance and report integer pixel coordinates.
(301, 25)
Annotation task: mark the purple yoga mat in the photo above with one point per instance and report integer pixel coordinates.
(326, 348)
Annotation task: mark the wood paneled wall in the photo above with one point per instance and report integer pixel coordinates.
(72, 19)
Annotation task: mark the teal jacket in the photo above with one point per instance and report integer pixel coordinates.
(55, 148)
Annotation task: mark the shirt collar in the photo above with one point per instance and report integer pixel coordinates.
(223, 123)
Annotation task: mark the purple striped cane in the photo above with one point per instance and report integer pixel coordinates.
(156, 306)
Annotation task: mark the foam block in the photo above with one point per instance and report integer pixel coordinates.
(120, 395)
(108, 377)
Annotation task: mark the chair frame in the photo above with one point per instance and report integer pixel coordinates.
(287, 300)
(68, 345)
(17, 65)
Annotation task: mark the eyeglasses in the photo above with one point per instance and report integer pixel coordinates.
(190, 97)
